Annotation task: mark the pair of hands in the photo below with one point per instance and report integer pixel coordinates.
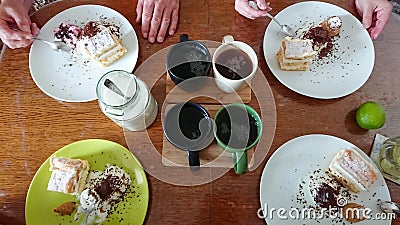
(158, 18)
(375, 13)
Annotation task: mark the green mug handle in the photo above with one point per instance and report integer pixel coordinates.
(240, 162)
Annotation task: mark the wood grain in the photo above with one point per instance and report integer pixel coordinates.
(33, 125)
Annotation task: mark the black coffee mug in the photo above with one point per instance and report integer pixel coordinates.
(188, 126)
(188, 64)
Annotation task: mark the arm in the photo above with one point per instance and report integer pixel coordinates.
(157, 16)
(375, 14)
(16, 28)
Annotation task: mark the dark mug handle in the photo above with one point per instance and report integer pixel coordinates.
(183, 38)
(194, 161)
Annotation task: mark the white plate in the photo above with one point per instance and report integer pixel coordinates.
(293, 162)
(68, 78)
(334, 77)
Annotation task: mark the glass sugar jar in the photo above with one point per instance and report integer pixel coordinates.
(126, 100)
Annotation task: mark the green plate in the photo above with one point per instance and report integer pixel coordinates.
(40, 202)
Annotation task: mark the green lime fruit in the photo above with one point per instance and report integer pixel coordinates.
(370, 115)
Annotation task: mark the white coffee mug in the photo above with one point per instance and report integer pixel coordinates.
(230, 85)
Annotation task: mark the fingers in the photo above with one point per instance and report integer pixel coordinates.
(35, 29)
(367, 13)
(263, 5)
(22, 20)
(155, 22)
(146, 17)
(158, 18)
(139, 11)
(243, 7)
(11, 34)
(17, 38)
(13, 44)
(382, 16)
(166, 19)
(174, 21)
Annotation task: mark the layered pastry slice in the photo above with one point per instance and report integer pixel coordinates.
(295, 54)
(68, 175)
(100, 44)
(353, 170)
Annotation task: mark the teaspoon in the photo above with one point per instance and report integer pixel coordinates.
(286, 29)
(390, 207)
(55, 45)
(113, 87)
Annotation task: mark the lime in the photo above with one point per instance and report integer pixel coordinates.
(370, 115)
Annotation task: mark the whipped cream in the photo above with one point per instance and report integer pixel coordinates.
(334, 22)
(103, 191)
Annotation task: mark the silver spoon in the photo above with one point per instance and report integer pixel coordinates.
(55, 45)
(286, 29)
(390, 207)
(113, 87)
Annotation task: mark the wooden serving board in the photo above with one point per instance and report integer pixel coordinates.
(210, 93)
(212, 156)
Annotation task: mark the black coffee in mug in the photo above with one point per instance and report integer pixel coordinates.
(236, 128)
(188, 126)
(189, 122)
(234, 64)
(188, 62)
(191, 69)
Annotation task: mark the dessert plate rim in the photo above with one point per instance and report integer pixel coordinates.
(295, 160)
(99, 152)
(69, 78)
(334, 77)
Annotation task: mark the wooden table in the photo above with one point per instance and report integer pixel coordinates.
(33, 125)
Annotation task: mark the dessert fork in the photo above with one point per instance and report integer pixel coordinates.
(55, 45)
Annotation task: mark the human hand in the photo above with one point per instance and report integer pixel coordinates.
(375, 14)
(156, 16)
(16, 28)
(243, 7)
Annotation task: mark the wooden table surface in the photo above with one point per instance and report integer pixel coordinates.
(34, 125)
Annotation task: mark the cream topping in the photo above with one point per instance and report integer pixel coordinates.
(298, 49)
(334, 22)
(103, 191)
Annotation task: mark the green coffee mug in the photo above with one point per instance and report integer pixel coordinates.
(237, 128)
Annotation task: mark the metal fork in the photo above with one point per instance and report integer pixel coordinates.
(55, 45)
